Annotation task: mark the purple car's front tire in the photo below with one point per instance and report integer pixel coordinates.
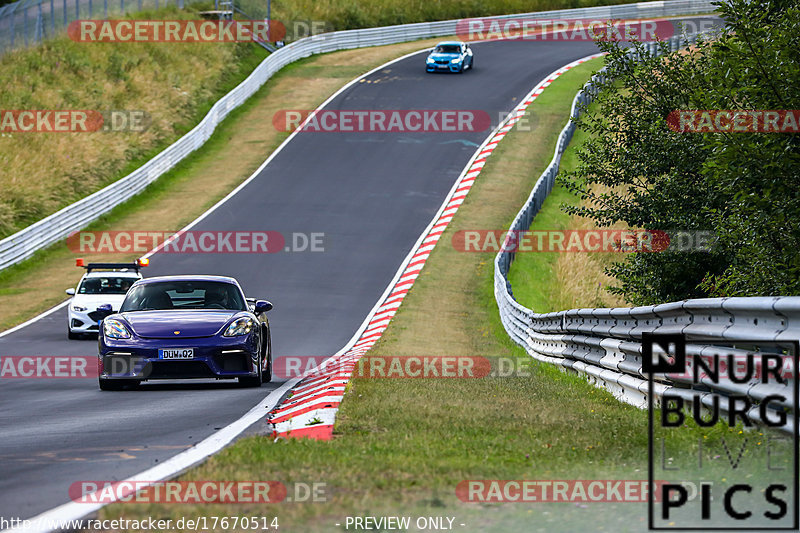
(257, 380)
(266, 376)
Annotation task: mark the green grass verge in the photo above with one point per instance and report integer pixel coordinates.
(402, 446)
(574, 279)
(529, 269)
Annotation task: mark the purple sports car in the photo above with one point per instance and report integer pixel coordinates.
(176, 327)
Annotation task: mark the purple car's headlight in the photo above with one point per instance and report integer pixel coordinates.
(114, 329)
(239, 327)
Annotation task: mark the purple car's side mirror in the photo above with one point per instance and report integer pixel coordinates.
(104, 310)
(262, 306)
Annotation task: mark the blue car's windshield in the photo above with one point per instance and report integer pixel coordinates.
(184, 295)
(448, 49)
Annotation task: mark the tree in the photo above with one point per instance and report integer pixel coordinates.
(744, 187)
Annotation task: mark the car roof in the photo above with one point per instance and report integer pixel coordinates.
(112, 273)
(455, 43)
(194, 277)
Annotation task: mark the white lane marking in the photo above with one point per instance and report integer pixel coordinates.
(234, 191)
(218, 440)
(169, 468)
(35, 319)
(281, 147)
(423, 252)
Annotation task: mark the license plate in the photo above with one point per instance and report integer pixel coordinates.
(176, 353)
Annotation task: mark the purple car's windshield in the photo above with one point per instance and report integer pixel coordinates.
(184, 295)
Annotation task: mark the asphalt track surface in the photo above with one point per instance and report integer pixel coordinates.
(372, 194)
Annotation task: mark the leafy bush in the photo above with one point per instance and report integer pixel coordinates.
(741, 186)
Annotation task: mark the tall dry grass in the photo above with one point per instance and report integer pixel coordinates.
(581, 276)
(173, 83)
(348, 14)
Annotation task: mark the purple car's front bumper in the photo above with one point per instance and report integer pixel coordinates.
(214, 357)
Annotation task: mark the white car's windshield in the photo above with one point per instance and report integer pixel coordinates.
(184, 295)
(105, 285)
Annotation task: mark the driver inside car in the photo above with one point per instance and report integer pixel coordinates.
(216, 298)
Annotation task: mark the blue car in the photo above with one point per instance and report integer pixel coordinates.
(450, 56)
(176, 327)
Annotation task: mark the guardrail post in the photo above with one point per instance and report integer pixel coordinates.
(105, 9)
(38, 30)
(25, 25)
(91, 10)
(52, 18)
(13, 29)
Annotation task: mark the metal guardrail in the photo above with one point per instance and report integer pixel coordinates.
(25, 243)
(605, 344)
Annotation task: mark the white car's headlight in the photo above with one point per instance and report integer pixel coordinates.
(78, 308)
(456, 60)
(114, 329)
(239, 327)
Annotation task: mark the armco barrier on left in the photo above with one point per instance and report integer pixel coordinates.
(25, 243)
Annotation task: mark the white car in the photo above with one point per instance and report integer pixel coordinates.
(103, 283)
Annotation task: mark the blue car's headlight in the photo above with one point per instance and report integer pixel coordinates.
(456, 60)
(239, 327)
(429, 60)
(114, 329)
